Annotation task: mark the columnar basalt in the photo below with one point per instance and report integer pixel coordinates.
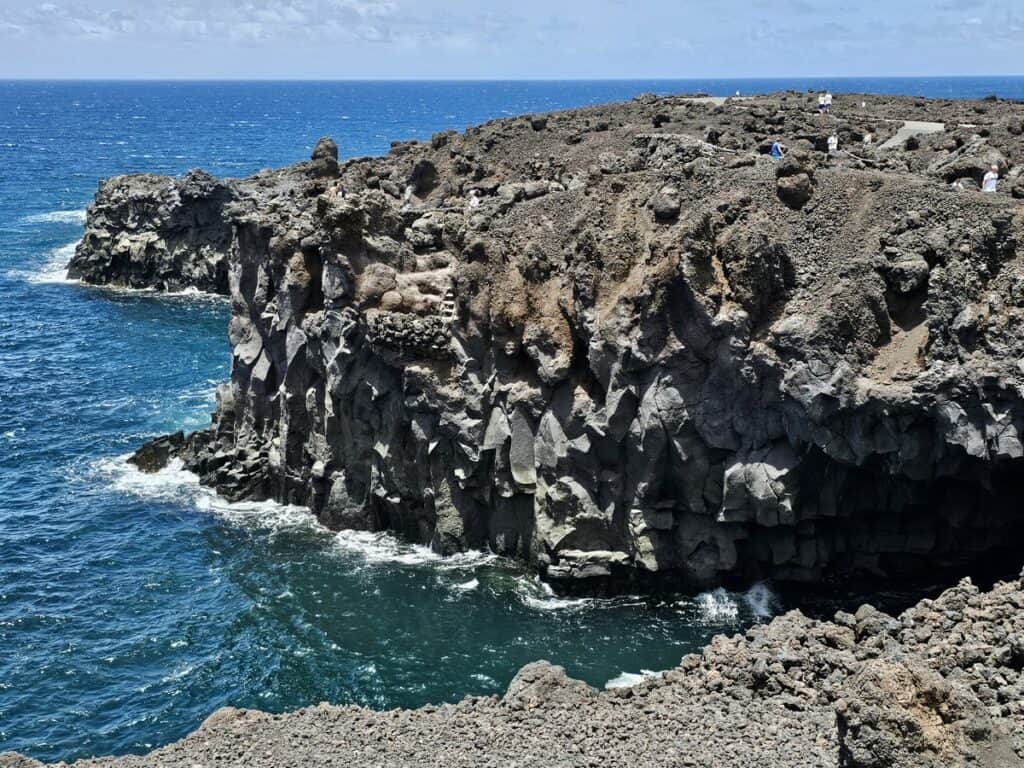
(648, 353)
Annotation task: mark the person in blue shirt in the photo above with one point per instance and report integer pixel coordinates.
(778, 150)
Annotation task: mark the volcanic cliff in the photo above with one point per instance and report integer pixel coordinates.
(621, 343)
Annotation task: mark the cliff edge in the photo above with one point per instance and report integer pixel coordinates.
(621, 343)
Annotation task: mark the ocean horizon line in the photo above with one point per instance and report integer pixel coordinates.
(638, 79)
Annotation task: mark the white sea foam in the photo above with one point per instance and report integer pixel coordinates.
(718, 607)
(385, 549)
(178, 674)
(761, 601)
(55, 268)
(191, 293)
(539, 596)
(629, 679)
(57, 217)
(176, 484)
(723, 607)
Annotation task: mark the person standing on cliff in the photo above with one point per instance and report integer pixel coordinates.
(821, 103)
(833, 144)
(828, 102)
(991, 181)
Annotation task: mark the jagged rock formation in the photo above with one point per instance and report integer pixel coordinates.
(648, 352)
(941, 686)
(153, 232)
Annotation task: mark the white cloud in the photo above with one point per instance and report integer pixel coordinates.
(582, 38)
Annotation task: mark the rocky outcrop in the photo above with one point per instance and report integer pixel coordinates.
(648, 353)
(940, 685)
(154, 232)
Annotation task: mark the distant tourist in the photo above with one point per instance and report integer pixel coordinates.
(991, 181)
(777, 150)
(407, 198)
(828, 103)
(821, 103)
(866, 141)
(833, 144)
(474, 199)
(342, 191)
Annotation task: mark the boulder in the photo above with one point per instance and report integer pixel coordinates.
(423, 177)
(899, 713)
(324, 160)
(541, 684)
(795, 190)
(666, 204)
(157, 454)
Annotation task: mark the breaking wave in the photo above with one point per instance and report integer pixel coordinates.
(379, 548)
(628, 679)
(720, 606)
(55, 268)
(175, 484)
(57, 217)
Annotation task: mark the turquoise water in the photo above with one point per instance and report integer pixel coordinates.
(132, 607)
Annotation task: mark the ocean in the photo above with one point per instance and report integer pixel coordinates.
(133, 606)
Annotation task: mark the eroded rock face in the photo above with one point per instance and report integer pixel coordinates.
(155, 232)
(632, 360)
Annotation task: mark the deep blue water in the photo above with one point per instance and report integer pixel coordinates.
(132, 607)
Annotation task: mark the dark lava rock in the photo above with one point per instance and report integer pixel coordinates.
(666, 204)
(325, 149)
(740, 394)
(423, 178)
(324, 160)
(795, 190)
(156, 454)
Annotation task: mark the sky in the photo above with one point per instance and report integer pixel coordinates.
(518, 39)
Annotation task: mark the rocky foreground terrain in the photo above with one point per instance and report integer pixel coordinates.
(621, 343)
(941, 686)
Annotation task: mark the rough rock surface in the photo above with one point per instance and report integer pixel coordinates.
(941, 685)
(155, 232)
(649, 353)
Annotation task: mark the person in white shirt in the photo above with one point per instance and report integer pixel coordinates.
(991, 181)
(821, 103)
(833, 144)
(474, 200)
(828, 102)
